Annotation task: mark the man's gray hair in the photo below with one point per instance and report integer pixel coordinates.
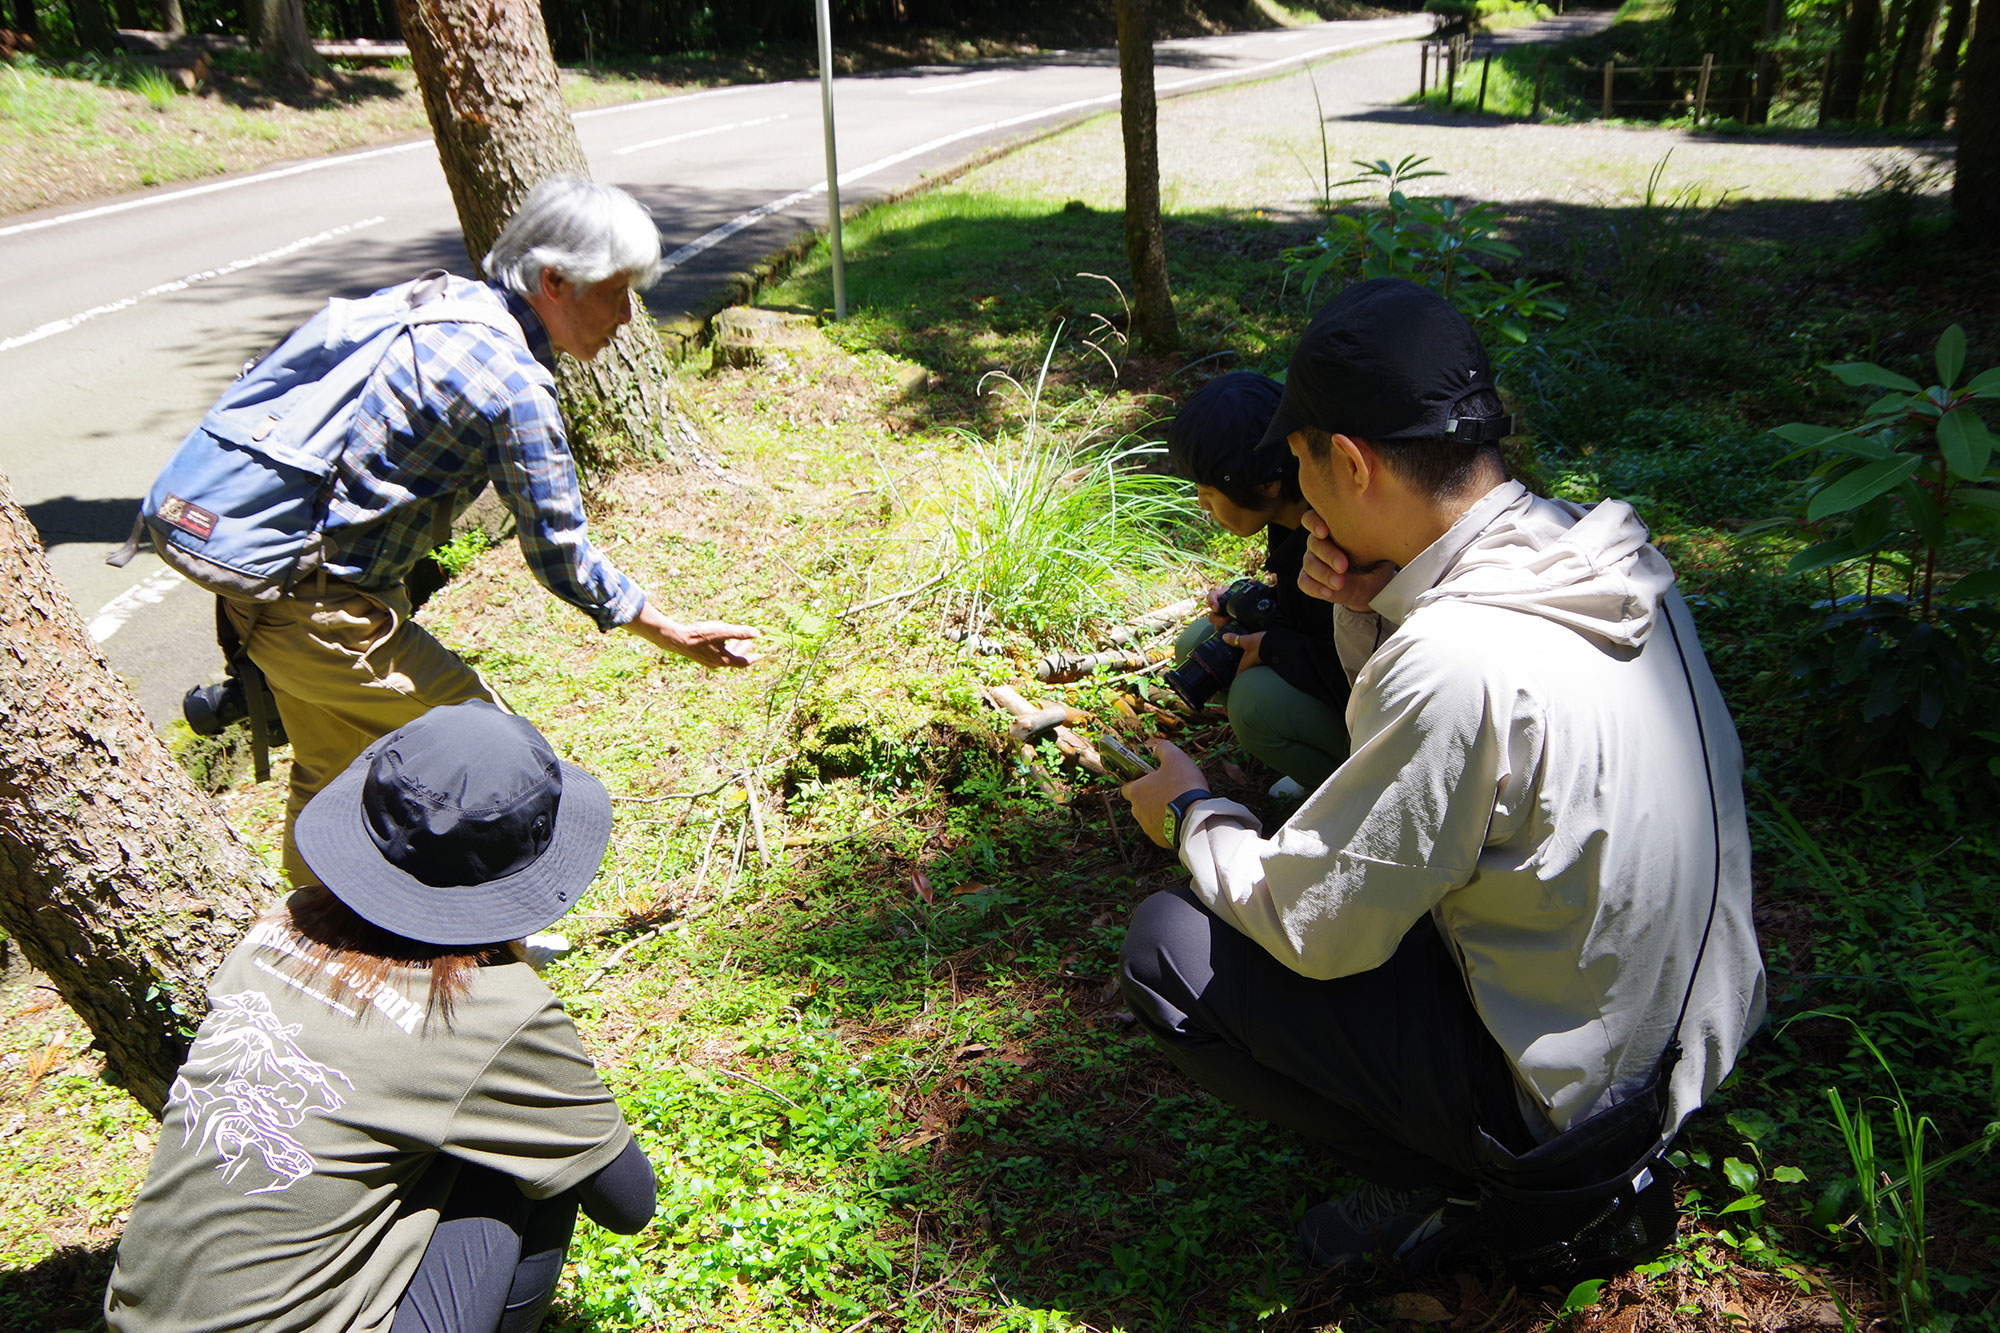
(581, 231)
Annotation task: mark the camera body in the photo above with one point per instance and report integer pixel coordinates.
(1251, 605)
(212, 709)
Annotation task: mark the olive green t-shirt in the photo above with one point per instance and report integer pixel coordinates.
(307, 1143)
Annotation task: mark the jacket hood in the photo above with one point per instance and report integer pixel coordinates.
(1590, 569)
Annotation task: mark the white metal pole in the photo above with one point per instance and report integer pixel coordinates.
(832, 161)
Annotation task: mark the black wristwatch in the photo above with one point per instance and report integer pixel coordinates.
(1177, 812)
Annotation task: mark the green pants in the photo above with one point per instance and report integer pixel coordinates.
(1280, 724)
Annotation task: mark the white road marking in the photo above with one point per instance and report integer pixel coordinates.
(149, 591)
(323, 163)
(956, 87)
(148, 200)
(623, 107)
(695, 134)
(1282, 61)
(64, 325)
(709, 240)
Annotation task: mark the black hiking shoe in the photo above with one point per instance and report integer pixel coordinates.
(1416, 1228)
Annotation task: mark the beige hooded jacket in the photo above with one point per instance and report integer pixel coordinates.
(1527, 768)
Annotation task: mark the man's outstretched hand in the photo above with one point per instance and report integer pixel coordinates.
(1331, 576)
(1149, 795)
(711, 643)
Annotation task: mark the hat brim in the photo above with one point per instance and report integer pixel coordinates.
(332, 836)
(1290, 416)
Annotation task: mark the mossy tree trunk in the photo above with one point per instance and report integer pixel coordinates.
(117, 877)
(1975, 191)
(496, 110)
(1153, 323)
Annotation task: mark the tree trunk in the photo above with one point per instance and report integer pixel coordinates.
(117, 878)
(496, 111)
(1767, 62)
(92, 23)
(128, 13)
(25, 21)
(1912, 43)
(1944, 67)
(1975, 191)
(172, 20)
(279, 29)
(1153, 324)
(1850, 66)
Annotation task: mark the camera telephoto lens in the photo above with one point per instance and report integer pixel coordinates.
(1210, 667)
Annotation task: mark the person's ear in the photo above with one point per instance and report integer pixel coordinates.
(550, 285)
(1354, 463)
(1269, 493)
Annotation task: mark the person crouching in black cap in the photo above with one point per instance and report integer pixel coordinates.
(1286, 695)
(1500, 955)
(386, 1120)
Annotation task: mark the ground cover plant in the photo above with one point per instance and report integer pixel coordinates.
(849, 963)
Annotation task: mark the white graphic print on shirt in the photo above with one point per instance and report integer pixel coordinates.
(257, 1085)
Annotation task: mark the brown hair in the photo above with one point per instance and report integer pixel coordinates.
(348, 958)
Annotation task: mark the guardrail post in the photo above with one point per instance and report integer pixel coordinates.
(1450, 73)
(1541, 63)
(1701, 86)
(1607, 89)
(1485, 68)
(1423, 66)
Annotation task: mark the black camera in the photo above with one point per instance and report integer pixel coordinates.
(1251, 606)
(212, 709)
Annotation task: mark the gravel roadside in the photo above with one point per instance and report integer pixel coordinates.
(1257, 147)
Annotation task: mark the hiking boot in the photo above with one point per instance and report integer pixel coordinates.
(1414, 1227)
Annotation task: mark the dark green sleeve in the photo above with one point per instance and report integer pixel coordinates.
(538, 1111)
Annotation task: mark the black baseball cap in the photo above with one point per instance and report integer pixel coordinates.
(1213, 440)
(461, 827)
(1388, 359)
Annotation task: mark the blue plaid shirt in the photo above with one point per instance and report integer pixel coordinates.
(452, 407)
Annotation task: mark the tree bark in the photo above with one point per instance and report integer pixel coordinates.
(496, 110)
(25, 21)
(279, 29)
(92, 22)
(1912, 43)
(1944, 66)
(1975, 191)
(1767, 62)
(1153, 323)
(117, 877)
(1850, 66)
(172, 20)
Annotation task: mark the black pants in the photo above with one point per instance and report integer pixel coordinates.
(1391, 1070)
(493, 1261)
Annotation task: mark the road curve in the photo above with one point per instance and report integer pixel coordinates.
(125, 318)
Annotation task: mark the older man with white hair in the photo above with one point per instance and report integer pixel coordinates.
(452, 407)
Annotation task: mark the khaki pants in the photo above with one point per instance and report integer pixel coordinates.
(345, 667)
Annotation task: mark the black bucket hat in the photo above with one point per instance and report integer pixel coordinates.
(461, 827)
(1387, 359)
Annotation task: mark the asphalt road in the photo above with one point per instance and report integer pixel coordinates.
(123, 320)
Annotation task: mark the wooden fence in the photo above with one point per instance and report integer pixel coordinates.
(1702, 98)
